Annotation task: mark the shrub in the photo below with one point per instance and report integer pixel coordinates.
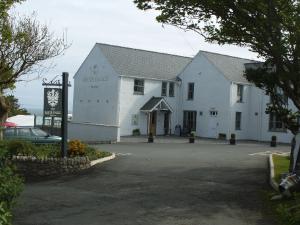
(5, 215)
(10, 185)
(136, 132)
(93, 154)
(76, 148)
(47, 151)
(18, 147)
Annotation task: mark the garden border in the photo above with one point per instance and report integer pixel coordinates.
(101, 160)
(32, 167)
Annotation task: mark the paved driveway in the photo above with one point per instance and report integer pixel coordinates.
(206, 183)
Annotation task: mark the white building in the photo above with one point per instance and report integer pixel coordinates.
(118, 90)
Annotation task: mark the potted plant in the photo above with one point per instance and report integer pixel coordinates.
(192, 137)
(136, 132)
(273, 141)
(232, 139)
(150, 138)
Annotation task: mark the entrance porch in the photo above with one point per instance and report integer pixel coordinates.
(158, 113)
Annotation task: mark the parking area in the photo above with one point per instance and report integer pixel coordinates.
(167, 183)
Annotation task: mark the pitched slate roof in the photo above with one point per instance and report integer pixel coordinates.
(232, 67)
(142, 63)
(154, 102)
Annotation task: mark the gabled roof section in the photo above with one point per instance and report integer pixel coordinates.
(145, 64)
(156, 103)
(232, 67)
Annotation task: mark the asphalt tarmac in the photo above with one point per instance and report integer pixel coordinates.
(207, 183)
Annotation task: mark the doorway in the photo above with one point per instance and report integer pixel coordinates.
(167, 123)
(189, 121)
(153, 119)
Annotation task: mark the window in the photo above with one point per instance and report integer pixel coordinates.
(38, 132)
(138, 87)
(25, 132)
(275, 124)
(281, 96)
(171, 89)
(190, 91)
(238, 120)
(135, 120)
(164, 88)
(9, 132)
(240, 92)
(213, 113)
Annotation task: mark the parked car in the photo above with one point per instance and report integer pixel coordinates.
(32, 134)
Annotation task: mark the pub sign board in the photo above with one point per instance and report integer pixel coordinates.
(53, 102)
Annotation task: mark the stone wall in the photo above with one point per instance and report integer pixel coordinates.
(31, 167)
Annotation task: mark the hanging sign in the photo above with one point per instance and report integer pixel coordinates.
(53, 102)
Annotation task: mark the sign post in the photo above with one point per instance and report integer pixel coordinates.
(56, 105)
(64, 124)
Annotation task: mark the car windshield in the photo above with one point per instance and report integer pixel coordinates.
(39, 132)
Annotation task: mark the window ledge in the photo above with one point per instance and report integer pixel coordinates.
(278, 131)
(138, 93)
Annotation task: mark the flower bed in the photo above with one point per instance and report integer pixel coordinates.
(44, 160)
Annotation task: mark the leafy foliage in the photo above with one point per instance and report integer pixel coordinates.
(14, 106)
(10, 185)
(268, 27)
(5, 215)
(24, 45)
(76, 148)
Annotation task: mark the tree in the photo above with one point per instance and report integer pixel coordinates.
(271, 28)
(14, 107)
(24, 45)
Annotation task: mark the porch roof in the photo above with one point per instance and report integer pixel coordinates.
(156, 103)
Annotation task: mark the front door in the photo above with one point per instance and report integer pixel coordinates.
(213, 124)
(189, 121)
(166, 123)
(153, 118)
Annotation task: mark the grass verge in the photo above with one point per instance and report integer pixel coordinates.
(287, 211)
(281, 165)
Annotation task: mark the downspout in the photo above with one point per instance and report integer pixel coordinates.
(230, 109)
(119, 109)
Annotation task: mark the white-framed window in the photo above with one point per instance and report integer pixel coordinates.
(238, 120)
(240, 93)
(164, 87)
(213, 113)
(275, 124)
(135, 120)
(191, 87)
(171, 89)
(138, 88)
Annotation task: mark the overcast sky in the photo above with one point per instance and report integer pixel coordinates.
(116, 22)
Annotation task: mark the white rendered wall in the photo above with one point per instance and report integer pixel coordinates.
(96, 88)
(255, 121)
(92, 132)
(131, 104)
(266, 134)
(211, 92)
(244, 107)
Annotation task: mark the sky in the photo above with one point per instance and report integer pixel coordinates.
(117, 22)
